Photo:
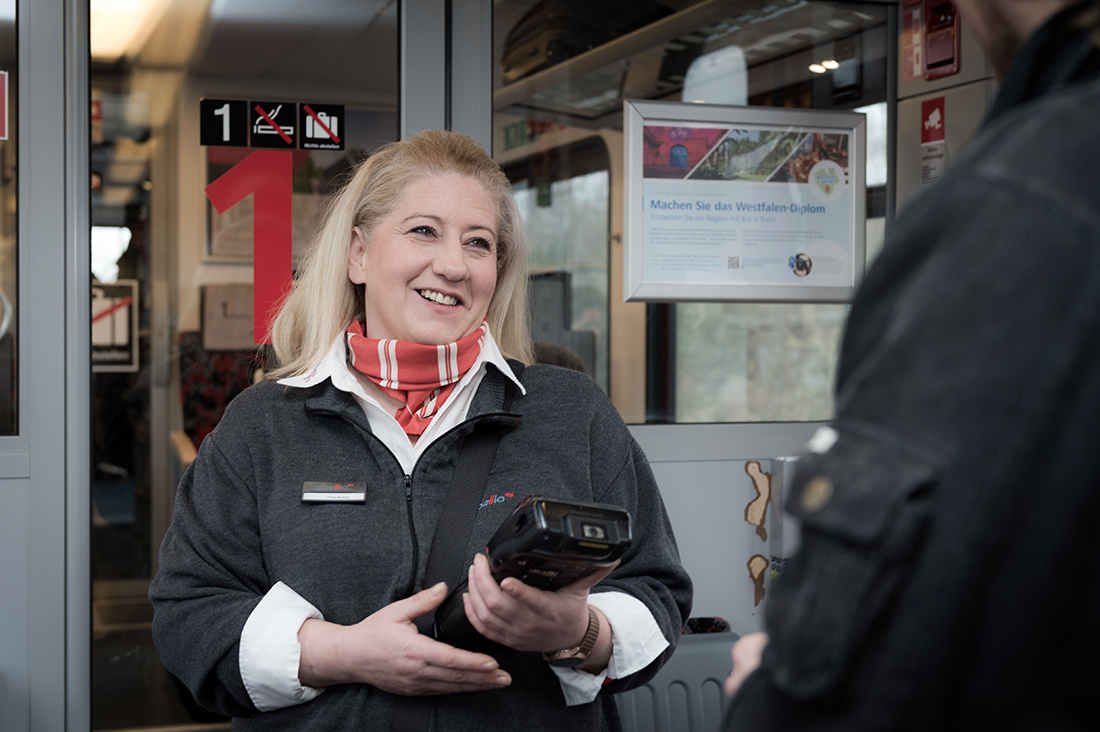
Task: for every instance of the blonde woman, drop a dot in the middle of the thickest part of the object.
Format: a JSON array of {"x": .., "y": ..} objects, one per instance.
[{"x": 289, "y": 610}]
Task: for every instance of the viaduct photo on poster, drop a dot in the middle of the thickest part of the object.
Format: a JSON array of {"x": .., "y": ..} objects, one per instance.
[{"x": 768, "y": 211}]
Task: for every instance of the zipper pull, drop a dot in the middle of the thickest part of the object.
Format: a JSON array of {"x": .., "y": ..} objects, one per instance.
[{"x": 408, "y": 488}]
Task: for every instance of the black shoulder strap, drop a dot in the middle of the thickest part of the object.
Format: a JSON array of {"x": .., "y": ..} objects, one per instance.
[
  {"x": 452, "y": 535},
  {"x": 456, "y": 523}
]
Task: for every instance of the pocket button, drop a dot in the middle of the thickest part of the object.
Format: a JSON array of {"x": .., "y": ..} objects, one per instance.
[{"x": 816, "y": 494}]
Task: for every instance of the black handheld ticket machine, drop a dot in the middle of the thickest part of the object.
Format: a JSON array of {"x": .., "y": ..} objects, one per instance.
[{"x": 546, "y": 543}]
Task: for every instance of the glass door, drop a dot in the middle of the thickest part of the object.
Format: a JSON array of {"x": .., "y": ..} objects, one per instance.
[
  {"x": 183, "y": 93},
  {"x": 562, "y": 71}
]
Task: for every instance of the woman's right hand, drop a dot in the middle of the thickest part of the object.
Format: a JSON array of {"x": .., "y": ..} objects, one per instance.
[{"x": 387, "y": 651}]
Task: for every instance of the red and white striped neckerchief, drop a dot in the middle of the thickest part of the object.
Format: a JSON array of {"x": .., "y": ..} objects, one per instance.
[{"x": 420, "y": 375}]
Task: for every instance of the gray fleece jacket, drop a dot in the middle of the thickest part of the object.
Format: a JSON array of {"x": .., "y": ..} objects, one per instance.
[{"x": 240, "y": 526}]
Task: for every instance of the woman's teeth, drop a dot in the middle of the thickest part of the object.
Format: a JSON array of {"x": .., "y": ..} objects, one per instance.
[{"x": 438, "y": 297}]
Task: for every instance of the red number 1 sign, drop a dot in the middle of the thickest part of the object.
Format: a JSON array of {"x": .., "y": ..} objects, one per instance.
[{"x": 267, "y": 176}]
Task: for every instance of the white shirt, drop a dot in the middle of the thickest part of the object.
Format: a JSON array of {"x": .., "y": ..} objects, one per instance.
[{"x": 270, "y": 653}]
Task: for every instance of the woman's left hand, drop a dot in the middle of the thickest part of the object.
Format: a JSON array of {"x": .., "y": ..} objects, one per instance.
[{"x": 526, "y": 618}]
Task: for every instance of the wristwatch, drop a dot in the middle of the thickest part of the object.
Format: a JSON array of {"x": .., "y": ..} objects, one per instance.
[{"x": 570, "y": 657}]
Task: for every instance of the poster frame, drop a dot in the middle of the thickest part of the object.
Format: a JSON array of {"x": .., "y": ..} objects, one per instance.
[{"x": 638, "y": 114}]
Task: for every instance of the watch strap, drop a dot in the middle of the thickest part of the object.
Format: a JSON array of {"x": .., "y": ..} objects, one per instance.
[{"x": 577, "y": 655}]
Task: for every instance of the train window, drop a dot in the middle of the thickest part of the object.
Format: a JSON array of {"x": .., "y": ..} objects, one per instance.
[
  {"x": 175, "y": 87},
  {"x": 564, "y": 198},
  {"x": 9, "y": 269},
  {"x": 563, "y": 68}
]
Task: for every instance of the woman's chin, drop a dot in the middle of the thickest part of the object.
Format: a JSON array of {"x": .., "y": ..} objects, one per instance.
[{"x": 440, "y": 334}]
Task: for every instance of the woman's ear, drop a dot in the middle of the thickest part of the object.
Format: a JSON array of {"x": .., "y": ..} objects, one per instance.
[{"x": 357, "y": 255}]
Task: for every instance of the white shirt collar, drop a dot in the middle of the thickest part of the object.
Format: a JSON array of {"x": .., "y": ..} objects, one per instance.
[{"x": 383, "y": 422}]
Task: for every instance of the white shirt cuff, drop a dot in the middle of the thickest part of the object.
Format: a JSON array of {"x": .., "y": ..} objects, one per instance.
[
  {"x": 270, "y": 652},
  {"x": 635, "y": 642}
]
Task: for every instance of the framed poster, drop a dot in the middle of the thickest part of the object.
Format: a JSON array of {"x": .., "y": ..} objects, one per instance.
[{"x": 742, "y": 203}]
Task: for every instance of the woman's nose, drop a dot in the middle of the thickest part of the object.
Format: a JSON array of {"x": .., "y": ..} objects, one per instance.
[{"x": 450, "y": 260}]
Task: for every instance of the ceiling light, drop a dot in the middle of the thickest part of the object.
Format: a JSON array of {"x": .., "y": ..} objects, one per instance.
[
  {"x": 120, "y": 27},
  {"x": 817, "y": 68},
  {"x": 831, "y": 64}
]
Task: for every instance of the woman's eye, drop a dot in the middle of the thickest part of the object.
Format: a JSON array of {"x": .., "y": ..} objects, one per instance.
[
  {"x": 480, "y": 243},
  {"x": 423, "y": 230}
]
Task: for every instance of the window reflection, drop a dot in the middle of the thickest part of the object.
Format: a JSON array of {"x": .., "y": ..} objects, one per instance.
[
  {"x": 564, "y": 198},
  {"x": 704, "y": 362},
  {"x": 9, "y": 293},
  {"x": 756, "y": 362}
]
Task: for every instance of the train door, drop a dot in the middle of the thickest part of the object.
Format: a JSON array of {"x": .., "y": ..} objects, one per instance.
[
  {"x": 281, "y": 99},
  {"x": 717, "y": 394}
]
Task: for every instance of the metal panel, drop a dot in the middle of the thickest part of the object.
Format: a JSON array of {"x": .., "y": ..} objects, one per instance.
[
  {"x": 14, "y": 578},
  {"x": 705, "y": 502},
  {"x": 701, "y": 471},
  {"x": 471, "y": 68},
  {"x": 78, "y": 377},
  {"x": 965, "y": 108},
  {"x": 15, "y": 459},
  {"x": 706, "y": 442},
  {"x": 423, "y": 52},
  {"x": 42, "y": 359},
  {"x": 46, "y": 514}
]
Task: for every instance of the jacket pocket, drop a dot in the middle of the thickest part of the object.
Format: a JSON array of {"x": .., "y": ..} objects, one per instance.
[{"x": 864, "y": 509}]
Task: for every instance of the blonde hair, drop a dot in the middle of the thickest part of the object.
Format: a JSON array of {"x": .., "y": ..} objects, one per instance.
[{"x": 323, "y": 300}]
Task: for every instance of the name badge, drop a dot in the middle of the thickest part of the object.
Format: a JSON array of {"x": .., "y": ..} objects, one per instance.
[{"x": 319, "y": 492}]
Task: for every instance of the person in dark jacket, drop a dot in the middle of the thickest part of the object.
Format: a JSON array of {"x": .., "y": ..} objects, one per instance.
[
  {"x": 948, "y": 575},
  {"x": 295, "y": 565}
]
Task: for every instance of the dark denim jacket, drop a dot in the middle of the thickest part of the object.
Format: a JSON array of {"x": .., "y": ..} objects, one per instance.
[{"x": 949, "y": 576}]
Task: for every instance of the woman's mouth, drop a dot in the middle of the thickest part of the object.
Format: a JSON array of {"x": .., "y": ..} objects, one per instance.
[{"x": 438, "y": 297}]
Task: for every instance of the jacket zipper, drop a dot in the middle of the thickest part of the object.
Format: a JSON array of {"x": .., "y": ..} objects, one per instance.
[
  {"x": 408, "y": 490},
  {"x": 412, "y": 535},
  {"x": 408, "y": 479}
]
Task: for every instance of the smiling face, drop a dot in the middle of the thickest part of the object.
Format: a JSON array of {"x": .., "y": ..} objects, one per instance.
[{"x": 430, "y": 266}]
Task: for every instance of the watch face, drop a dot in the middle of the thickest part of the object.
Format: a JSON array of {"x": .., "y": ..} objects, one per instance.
[{"x": 569, "y": 661}]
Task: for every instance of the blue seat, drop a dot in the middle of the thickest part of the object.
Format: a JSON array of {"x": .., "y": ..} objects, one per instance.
[{"x": 686, "y": 695}]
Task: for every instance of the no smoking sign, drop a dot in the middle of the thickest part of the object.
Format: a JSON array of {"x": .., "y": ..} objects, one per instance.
[{"x": 272, "y": 124}]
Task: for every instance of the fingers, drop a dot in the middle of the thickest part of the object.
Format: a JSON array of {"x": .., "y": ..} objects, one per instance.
[
  {"x": 587, "y": 583},
  {"x": 386, "y": 651},
  {"x": 444, "y": 669},
  {"x": 522, "y": 617},
  {"x": 746, "y": 655},
  {"x": 733, "y": 681},
  {"x": 447, "y": 669},
  {"x": 486, "y": 602},
  {"x": 419, "y": 604}
]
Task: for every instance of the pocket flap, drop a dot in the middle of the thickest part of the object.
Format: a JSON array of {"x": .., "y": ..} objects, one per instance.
[
  {"x": 854, "y": 489},
  {"x": 863, "y": 505}
]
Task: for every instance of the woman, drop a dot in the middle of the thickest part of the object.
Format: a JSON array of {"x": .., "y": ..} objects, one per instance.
[{"x": 276, "y": 605}]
